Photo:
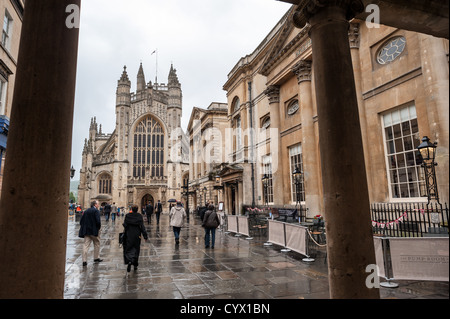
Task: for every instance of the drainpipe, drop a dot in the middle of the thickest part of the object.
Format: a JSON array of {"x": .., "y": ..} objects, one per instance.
[{"x": 251, "y": 143}]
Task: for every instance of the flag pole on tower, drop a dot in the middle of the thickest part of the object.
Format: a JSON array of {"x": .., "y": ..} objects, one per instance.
[{"x": 156, "y": 77}]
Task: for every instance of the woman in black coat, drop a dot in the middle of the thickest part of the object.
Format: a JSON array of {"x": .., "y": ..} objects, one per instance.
[{"x": 133, "y": 228}]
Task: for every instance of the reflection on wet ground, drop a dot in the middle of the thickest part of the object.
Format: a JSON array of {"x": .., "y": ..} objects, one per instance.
[{"x": 237, "y": 268}]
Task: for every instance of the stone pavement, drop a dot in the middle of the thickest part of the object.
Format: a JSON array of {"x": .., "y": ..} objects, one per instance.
[{"x": 237, "y": 268}]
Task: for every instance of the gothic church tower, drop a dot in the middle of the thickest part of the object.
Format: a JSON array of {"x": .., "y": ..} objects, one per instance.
[{"x": 141, "y": 160}]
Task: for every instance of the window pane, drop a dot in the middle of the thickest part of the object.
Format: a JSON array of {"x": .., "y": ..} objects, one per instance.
[
  {"x": 414, "y": 126},
  {"x": 389, "y": 134},
  {"x": 406, "y": 128},
  {"x": 398, "y": 145},
  {"x": 404, "y": 192},
  {"x": 390, "y": 147},
  {"x": 395, "y": 191},
  {"x": 400, "y": 160},
  {"x": 397, "y": 130},
  {"x": 408, "y": 143},
  {"x": 410, "y": 159},
  {"x": 402, "y": 175},
  {"x": 412, "y": 174}
]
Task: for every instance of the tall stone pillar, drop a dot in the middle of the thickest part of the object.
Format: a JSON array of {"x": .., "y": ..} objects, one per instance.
[
  {"x": 309, "y": 153},
  {"x": 273, "y": 93},
  {"x": 354, "y": 40},
  {"x": 435, "y": 78},
  {"x": 346, "y": 199},
  {"x": 35, "y": 194}
]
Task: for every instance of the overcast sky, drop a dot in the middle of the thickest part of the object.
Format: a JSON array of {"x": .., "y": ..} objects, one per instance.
[{"x": 204, "y": 39}]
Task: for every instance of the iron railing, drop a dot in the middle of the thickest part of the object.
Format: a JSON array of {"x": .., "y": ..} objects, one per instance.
[{"x": 410, "y": 219}]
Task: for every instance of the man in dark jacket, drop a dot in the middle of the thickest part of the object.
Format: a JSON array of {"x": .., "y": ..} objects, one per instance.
[
  {"x": 158, "y": 210},
  {"x": 149, "y": 212},
  {"x": 89, "y": 230},
  {"x": 107, "y": 211},
  {"x": 210, "y": 222}
]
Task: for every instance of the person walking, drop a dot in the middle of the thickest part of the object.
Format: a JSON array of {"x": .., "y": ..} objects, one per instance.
[
  {"x": 113, "y": 212},
  {"x": 158, "y": 211},
  {"x": 133, "y": 231},
  {"x": 176, "y": 216},
  {"x": 90, "y": 225},
  {"x": 210, "y": 222},
  {"x": 149, "y": 212},
  {"x": 107, "y": 211}
]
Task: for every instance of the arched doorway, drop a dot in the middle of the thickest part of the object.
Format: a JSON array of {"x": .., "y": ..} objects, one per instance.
[{"x": 147, "y": 198}]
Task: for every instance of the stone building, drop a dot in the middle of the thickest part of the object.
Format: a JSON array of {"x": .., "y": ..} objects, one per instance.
[
  {"x": 402, "y": 91},
  {"x": 207, "y": 131},
  {"x": 144, "y": 158},
  {"x": 12, "y": 13}
]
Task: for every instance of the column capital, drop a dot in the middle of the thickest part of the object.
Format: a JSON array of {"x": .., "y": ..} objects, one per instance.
[
  {"x": 308, "y": 8},
  {"x": 354, "y": 35},
  {"x": 303, "y": 71},
  {"x": 273, "y": 93}
]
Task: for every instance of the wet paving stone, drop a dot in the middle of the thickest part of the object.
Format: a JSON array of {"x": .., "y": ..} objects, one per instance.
[{"x": 236, "y": 269}]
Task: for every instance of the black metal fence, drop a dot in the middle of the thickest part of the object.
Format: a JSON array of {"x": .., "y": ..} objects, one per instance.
[{"x": 410, "y": 219}]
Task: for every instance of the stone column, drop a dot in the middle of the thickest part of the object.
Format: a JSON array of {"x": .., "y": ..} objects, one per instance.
[
  {"x": 35, "y": 195},
  {"x": 354, "y": 40},
  {"x": 273, "y": 93},
  {"x": 309, "y": 153},
  {"x": 435, "y": 78},
  {"x": 346, "y": 199}
]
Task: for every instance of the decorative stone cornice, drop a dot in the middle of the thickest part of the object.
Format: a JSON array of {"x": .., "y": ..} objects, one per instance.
[
  {"x": 354, "y": 35},
  {"x": 308, "y": 8},
  {"x": 302, "y": 70},
  {"x": 273, "y": 93}
]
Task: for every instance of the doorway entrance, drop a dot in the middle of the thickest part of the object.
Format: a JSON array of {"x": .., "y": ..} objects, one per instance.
[{"x": 147, "y": 198}]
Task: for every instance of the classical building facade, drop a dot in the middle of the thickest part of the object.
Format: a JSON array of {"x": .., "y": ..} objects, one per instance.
[
  {"x": 207, "y": 131},
  {"x": 145, "y": 157},
  {"x": 402, "y": 90},
  {"x": 12, "y": 13}
]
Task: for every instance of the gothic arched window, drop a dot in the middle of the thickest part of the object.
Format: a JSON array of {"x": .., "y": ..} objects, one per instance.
[
  {"x": 148, "y": 148},
  {"x": 104, "y": 184}
]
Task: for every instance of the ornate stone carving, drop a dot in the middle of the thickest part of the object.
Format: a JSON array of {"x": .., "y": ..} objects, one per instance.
[
  {"x": 303, "y": 71},
  {"x": 307, "y": 8},
  {"x": 354, "y": 36},
  {"x": 273, "y": 93}
]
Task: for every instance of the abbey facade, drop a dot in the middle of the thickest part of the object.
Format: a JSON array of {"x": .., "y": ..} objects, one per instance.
[{"x": 144, "y": 158}]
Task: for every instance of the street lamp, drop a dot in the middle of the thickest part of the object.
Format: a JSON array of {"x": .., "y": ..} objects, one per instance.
[
  {"x": 265, "y": 181},
  {"x": 427, "y": 152},
  {"x": 204, "y": 194},
  {"x": 297, "y": 175},
  {"x": 72, "y": 172}
]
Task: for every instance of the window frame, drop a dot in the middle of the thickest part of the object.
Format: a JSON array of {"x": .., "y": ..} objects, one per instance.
[{"x": 420, "y": 182}]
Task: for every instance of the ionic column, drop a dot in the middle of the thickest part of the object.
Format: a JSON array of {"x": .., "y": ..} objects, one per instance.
[
  {"x": 346, "y": 198},
  {"x": 33, "y": 208},
  {"x": 309, "y": 153},
  {"x": 273, "y": 93},
  {"x": 354, "y": 40},
  {"x": 435, "y": 78}
]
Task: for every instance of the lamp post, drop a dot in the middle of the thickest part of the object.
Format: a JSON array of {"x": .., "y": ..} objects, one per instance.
[
  {"x": 427, "y": 152},
  {"x": 297, "y": 175},
  {"x": 265, "y": 181},
  {"x": 187, "y": 193},
  {"x": 72, "y": 172},
  {"x": 204, "y": 194}
]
